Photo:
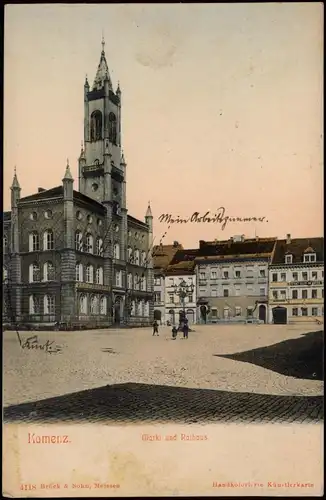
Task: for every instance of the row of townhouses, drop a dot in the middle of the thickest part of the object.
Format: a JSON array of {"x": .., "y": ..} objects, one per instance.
[{"x": 265, "y": 280}]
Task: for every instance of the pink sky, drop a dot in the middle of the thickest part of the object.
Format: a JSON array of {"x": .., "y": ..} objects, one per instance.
[{"x": 222, "y": 106}]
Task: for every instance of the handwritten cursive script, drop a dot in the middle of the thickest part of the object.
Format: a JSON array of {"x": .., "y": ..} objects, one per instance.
[
  {"x": 33, "y": 343},
  {"x": 218, "y": 218}
]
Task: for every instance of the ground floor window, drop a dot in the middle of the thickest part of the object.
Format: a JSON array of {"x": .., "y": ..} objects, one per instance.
[
  {"x": 49, "y": 304},
  {"x": 238, "y": 311},
  {"x": 304, "y": 311},
  {"x": 314, "y": 311},
  {"x": 295, "y": 311}
]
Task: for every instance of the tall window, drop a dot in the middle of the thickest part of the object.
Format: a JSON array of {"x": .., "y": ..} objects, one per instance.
[
  {"x": 48, "y": 271},
  {"x": 5, "y": 274},
  {"x": 295, "y": 276},
  {"x": 295, "y": 311},
  {"x": 136, "y": 282},
  {"x": 34, "y": 272},
  {"x": 34, "y": 304},
  {"x": 262, "y": 291},
  {"x": 49, "y": 304},
  {"x": 305, "y": 276},
  {"x": 83, "y": 304},
  {"x": 143, "y": 258},
  {"x": 304, "y": 294},
  {"x": 96, "y": 126},
  {"x": 136, "y": 257},
  {"x": 99, "y": 275},
  {"x": 48, "y": 240},
  {"x": 157, "y": 281},
  {"x": 129, "y": 281},
  {"x": 238, "y": 311},
  {"x": 274, "y": 277},
  {"x": 262, "y": 273},
  {"x": 294, "y": 294},
  {"x": 116, "y": 251},
  {"x": 213, "y": 275},
  {"x": 238, "y": 274},
  {"x": 288, "y": 259},
  {"x": 34, "y": 242},
  {"x": 78, "y": 241},
  {"x": 146, "y": 309},
  {"x": 304, "y": 311},
  {"x": 225, "y": 292},
  {"x": 283, "y": 276},
  {"x": 144, "y": 284},
  {"x": 89, "y": 243},
  {"x": 138, "y": 308},
  {"x": 103, "y": 305},
  {"x": 5, "y": 243},
  {"x": 118, "y": 278},
  {"x": 94, "y": 304},
  {"x": 89, "y": 274},
  {"x": 225, "y": 275},
  {"x": 99, "y": 247},
  {"x": 314, "y": 311},
  {"x": 129, "y": 254},
  {"x": 112, "y": 128},
  {"x": 79, "y": 271},
  {"x": 314, "y": 294},
  {"x": 133, "y": 308}
]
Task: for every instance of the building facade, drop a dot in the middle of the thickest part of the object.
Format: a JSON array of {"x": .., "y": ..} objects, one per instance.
[
  {"x": 76, "y": 256},
  {"x": 181, "y": 271},
  {"x": 162, "y": 256},
  {"x": 232, "y": 279},
  {"x": 296, "y": 278}
]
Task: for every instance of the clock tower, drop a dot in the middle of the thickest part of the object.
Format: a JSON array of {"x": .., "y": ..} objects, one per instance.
[{"x": 101, "y": 164}]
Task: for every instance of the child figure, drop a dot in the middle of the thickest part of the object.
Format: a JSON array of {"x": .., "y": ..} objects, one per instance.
[{"x": 174, "y": 333}]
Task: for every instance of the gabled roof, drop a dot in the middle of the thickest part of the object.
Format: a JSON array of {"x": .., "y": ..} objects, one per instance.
[
  {"x": 253, "y": 247},
  {"x": 132, "y": 220},
  {"x": 297, "y": 247},
  {"x": 163, "y": 254},
  {"x": 182, "y": 263}
]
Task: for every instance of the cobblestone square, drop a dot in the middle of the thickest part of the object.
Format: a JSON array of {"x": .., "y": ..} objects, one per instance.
[{"x": 129, "y": 375}]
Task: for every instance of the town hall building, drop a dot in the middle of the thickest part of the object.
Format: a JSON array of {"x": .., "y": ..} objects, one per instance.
[{"x": 74, "y": 255}]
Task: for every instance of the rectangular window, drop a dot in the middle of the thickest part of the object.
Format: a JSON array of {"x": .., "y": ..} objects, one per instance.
[
  {"x": 305, "y": 276},
  {"x": 314, "y": 311},
  {"x": 274, "y": 277},
  {"x": 157, "y": 297},
  {"x": 237, "y": 274},
  {"x": 202, "y": 276},
  {"x": 262, "y": 273},
  {"x": 214, "y": 313},
  {"x": 171, "y": 298},
  {"x": 157, "y": 281},
  {"x": 250, "y": 272},
  {"x": 118, "y": 278},
  {"x": 214, "y": 292},
  {"x": 237, "y": 290},
  {"x": 171, "y": 281},
  {"x": 283, "y": 276},
  {"x": 225, "y": 292},
  {"x": 238, "y": 311},
  {"x": 314, "y": 275},
  {"x": 190, "y": 297},
  {"x": 295, "y": 276},
  {"x": 225, "y": 275},
  {"x": 314, "y": 294},
  {"x": 295, "y": 311},
  {"x": 304, "y": 294},
  {"x": 275, "y": 294},
  {"x": 288, "y": 259},
  {"x": 262, "y": 291},
  {"x": 283, "y": 294},
  {"x": 213, "y": 275},
  {"x": 304, "y": 311},
  {"x": 294, "y": 294}
]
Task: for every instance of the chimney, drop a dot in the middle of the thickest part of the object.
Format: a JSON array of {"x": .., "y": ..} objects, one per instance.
[
  {"x": 175, "y": 244},
  {"x": 40, "y": 190},
  {"x": 288, "y": 239}
]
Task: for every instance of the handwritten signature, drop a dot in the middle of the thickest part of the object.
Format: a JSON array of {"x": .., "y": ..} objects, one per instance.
[
  {"x": 218, "y": 218},
  {"x": 33, "y": 343}
]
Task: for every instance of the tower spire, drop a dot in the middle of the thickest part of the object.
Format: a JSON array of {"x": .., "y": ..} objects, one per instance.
[
  {"x": 15, "y": 183},
  {"x": 102, "y": 73},
  {"x": 103, "y": 43}
]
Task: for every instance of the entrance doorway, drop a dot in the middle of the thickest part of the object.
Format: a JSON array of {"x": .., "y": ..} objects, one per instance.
[{"x": 262, "y": 313}]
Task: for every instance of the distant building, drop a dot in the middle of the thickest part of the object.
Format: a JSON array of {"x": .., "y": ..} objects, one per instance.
[
  {"x": 232, "y": 279},
  {"x": 296, "y": 278},
  {"x": 76, "y": 256},
  {"x": 181, "y": 270},
  {"x": 162, "y": 256}
]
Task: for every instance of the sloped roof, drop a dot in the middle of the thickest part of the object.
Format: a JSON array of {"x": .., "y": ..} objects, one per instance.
[
  {"x": 234, "y": 249},
  {"x": 297, "y": 247},
  {"x": 7, "y": 216},
  {"x": 183, "y": 262},
  {"x": 163, "y": 254}
]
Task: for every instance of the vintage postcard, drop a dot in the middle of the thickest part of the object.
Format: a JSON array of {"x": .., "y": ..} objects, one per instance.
[{"x": 163, "y": 250}]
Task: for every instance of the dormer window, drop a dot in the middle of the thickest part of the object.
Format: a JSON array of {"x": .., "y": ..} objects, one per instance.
[
  {"x": 309, "y": 257},
  {"x": 288, "y": 258}
]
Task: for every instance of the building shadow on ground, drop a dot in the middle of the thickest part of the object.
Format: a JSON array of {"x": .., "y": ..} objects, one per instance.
[
  {"x": 300, "y": 358},
  {"x": 141, "y": 403}
]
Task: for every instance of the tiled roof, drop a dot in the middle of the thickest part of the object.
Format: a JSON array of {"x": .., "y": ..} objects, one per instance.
[
  {"x": 136, "y": 221},
  {"x": 58, "y": 191},
  {"x": 163, "y": 254},
  {"x": 183, "y": 262},
  {"x": 297, "y": 247},
  {"x": 234, "y": 249}
]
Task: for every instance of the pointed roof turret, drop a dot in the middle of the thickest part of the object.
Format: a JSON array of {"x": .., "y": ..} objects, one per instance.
[
  {"x": 68, "y": 176},
  {"x": 102, "y": 73},
  {"x": 82, "y": 151},
  {"x": 118, "y": 91},
  {"x": 15, "y": 184},
  {"x": 149, "y": 210},
  {"x": 122, "y": 159}
]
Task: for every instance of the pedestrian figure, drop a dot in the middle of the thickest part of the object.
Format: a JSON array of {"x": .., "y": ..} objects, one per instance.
[
  {"x": 174, "y": 333},
  {"x": 185, "y": 329},
  {"x": 155, "y": 328}
]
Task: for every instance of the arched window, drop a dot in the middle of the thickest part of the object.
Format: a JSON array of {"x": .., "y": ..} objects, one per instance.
[
  {"x": 34, "y": 304},
  {"x": 136, "y": 257},
  {"x": 146, "y": 309},
  {"x": 48, "y": 240},
  {"x": 83, "y": 304},
  {"x": 48, "y": 271},
  {"x": 79, "y": 271},
  {"x": 103, "y": 305},
  {"x": 116, "y": 251},
  {"x": 89, "y": 243},
  {"x": 89, "y": 274},
  {"x": 34, "y": 272},
  {"x": 99, "y": 275},
  {"x": 144, "y": 284},
  {"x": 136, "y": 282},
  {"x": 129, "y": 281},
  {"x": 138, "y": 308},
  {"x": 49, "y": 304},
  {"x": 129, "y": 254},
  {"x": 143, "y": 258},
  {"x": 96, "y": 126},
  {"x": 78, "y": 241},
  {"x": 99, "y": 247},
  {"x": 34, "y": 242},
  {"x": 113, "y": 128},
  {"x": 94, "y": 304},
  {"x": 118, "y": 278}
]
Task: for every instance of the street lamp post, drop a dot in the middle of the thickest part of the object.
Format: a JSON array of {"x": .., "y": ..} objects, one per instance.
[{"x": 183, "y": 290}]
